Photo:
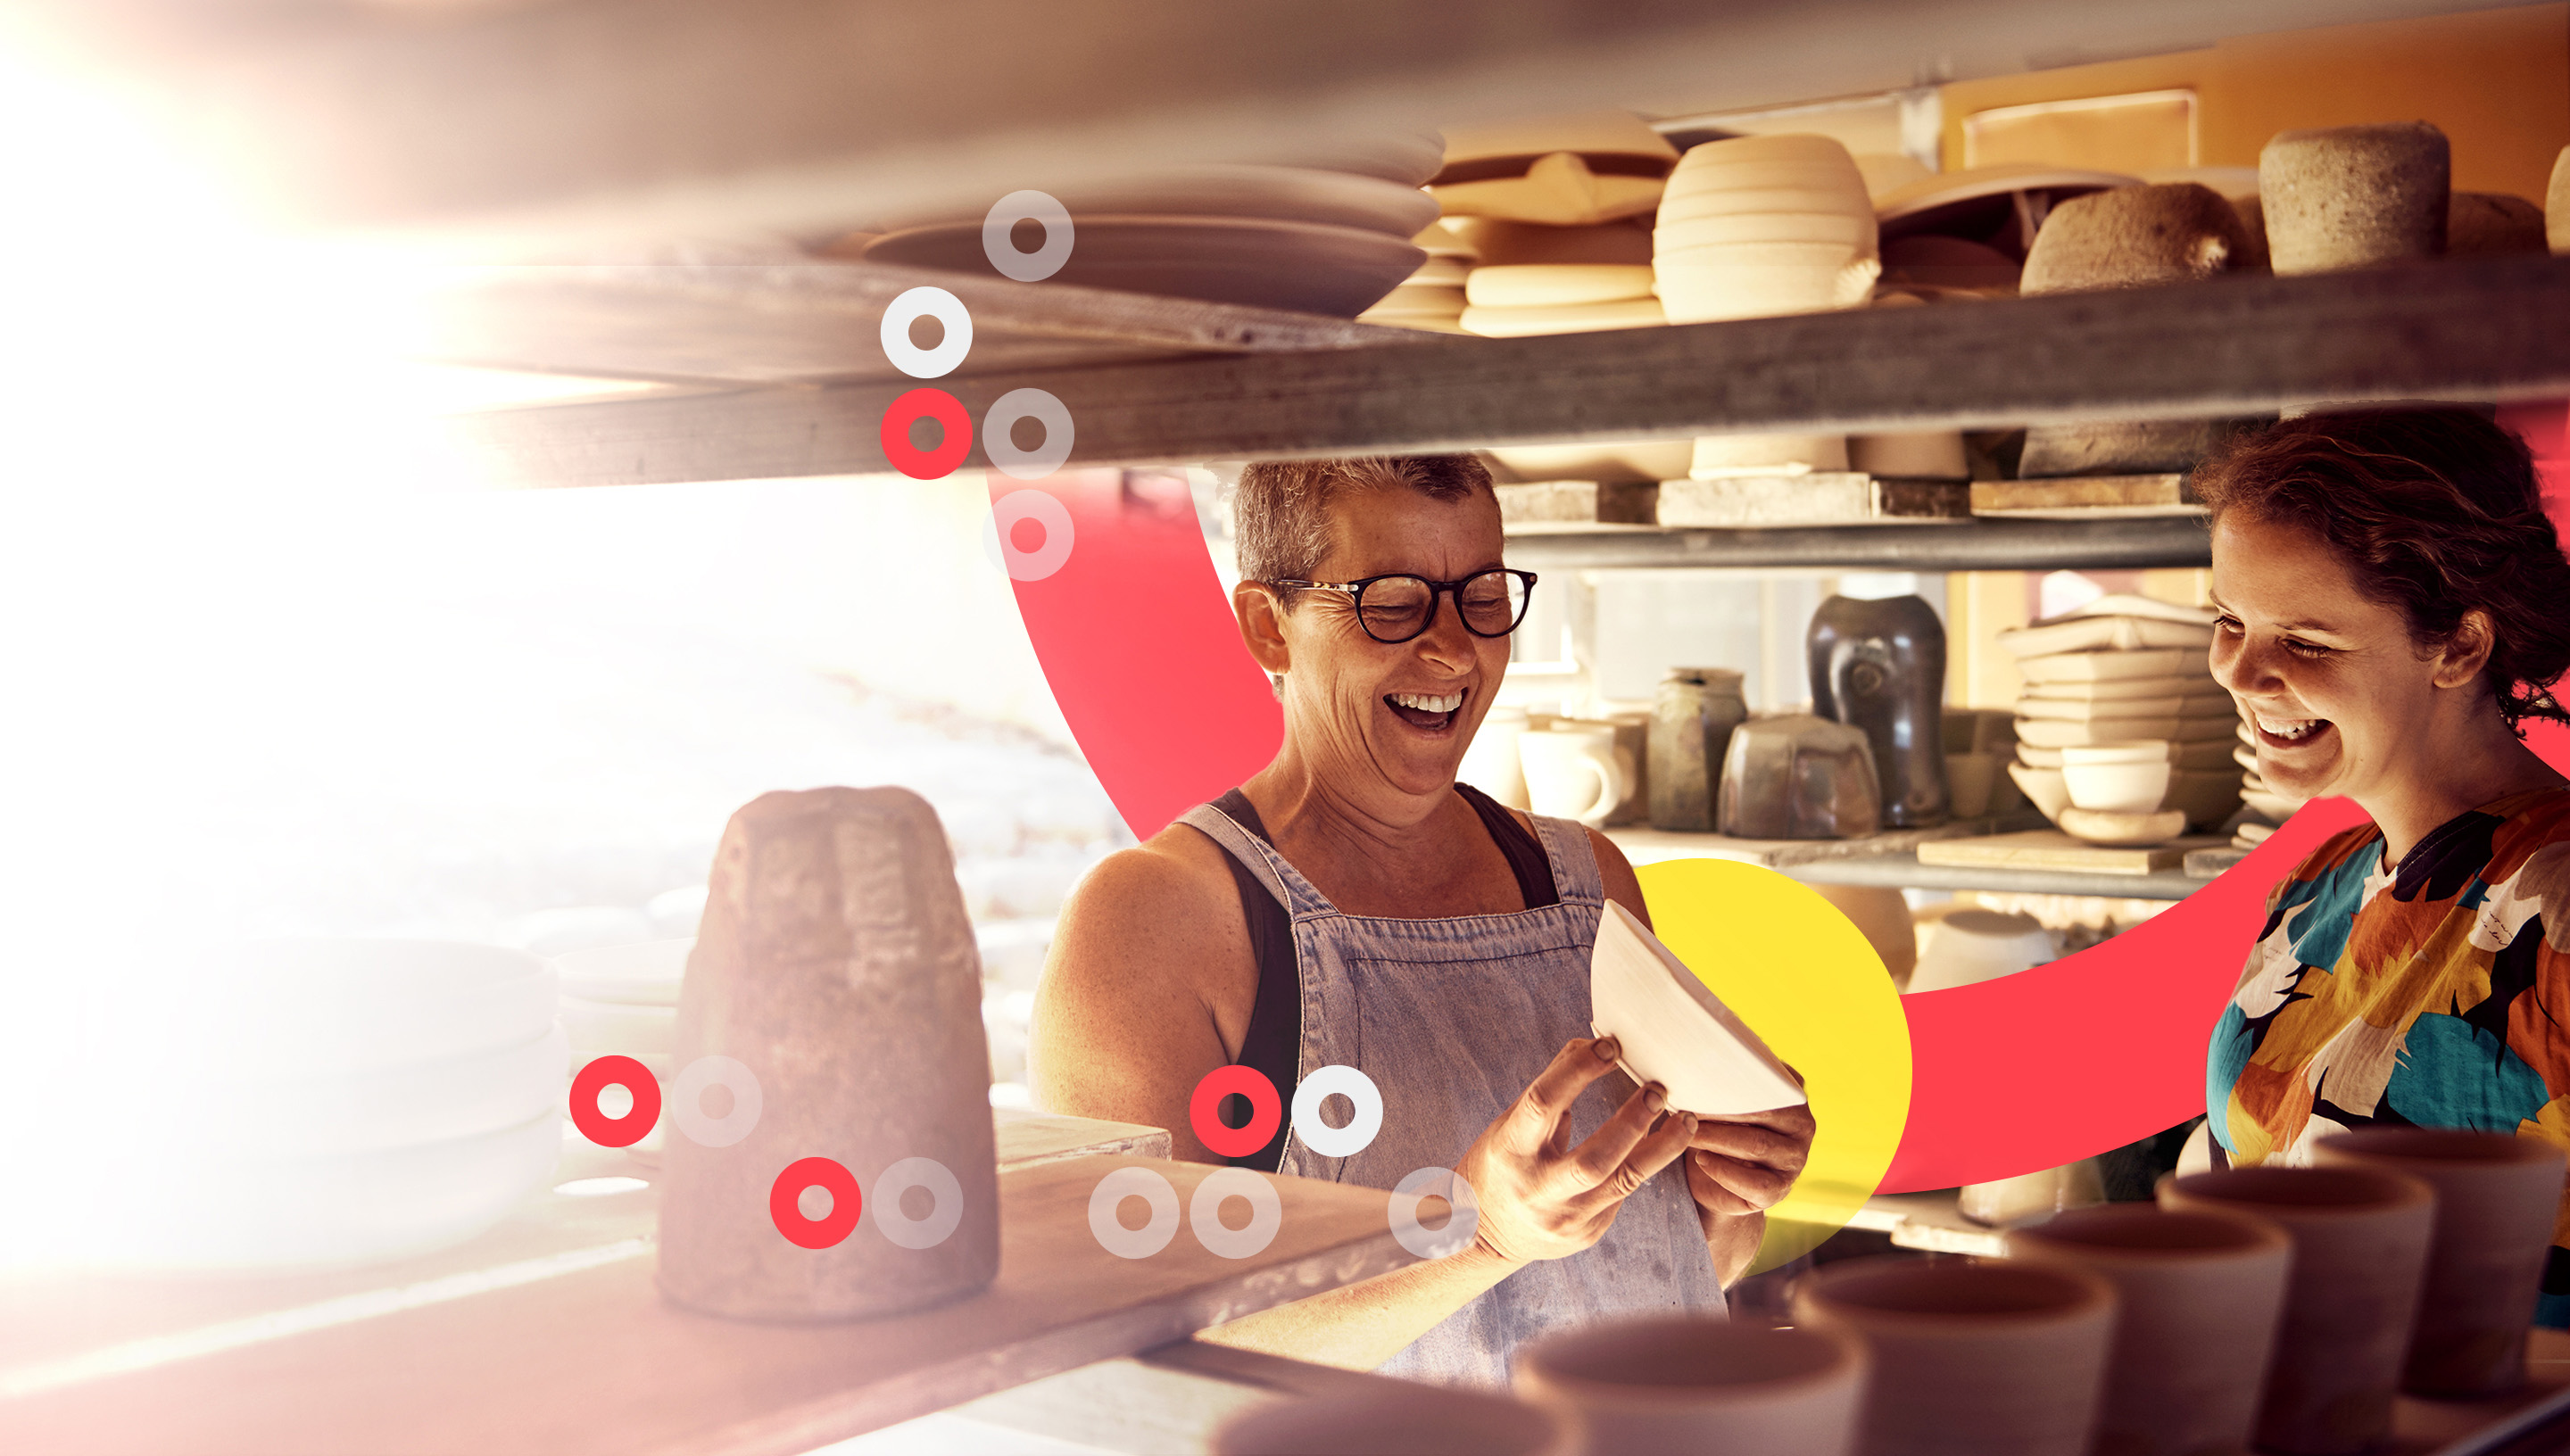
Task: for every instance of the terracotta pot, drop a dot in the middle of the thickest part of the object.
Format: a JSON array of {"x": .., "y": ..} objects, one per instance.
[
  {"x": 2359, "y": 1251},
  {"x": 2198, "y": 1295},
  {"x": 1971, "y": 1357},
  {"x": 1694, "y": 1384},
  {"x": 2498, "y": 1197}
]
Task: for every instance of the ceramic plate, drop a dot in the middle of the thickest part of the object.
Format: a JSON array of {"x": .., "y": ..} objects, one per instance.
[
  {"x": 2178, "y": 686},
  {"x": 1949, "y": 188},
  {"x": 2123, "y": 831},
  {"x": 1542, "y": 285},
  {"x": 1591, "y": 133},
  {"x": 1674, "y": 1031},
  {"x": 1257, "y": 262},
  {"x": 1409, "y": 158},
  {"x": 2092, "y": 633},
  {"x": 2105, "y": 666},
  {"x": 1284, "y": 193},
  {"x": 1576, "y": 318}
]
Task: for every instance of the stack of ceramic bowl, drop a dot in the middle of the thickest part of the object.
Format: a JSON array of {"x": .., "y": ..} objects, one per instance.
[
  {"x": 623, "y": 1001},
  {"x": 347, "y": 1100},
  {"x": 2123, "y": 736},
  {"x": 1754, "y": 226},
  {"x": 1325, "y": 233},
  {"x": 1433, "y": 298}
]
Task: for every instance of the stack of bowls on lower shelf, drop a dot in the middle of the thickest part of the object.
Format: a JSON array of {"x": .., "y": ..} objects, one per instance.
[
  {"x": 2123, "y": 736},
  {"x": 623, "y": 1001},
  {"x": 1753, "y": 228},
  {"x": 350, "y": 1101}
]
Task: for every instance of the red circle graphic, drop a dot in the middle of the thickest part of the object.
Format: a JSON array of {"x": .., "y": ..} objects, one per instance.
[
  {"x": 597, "y": 1077},
  {"x": 947, "y": 412},
  {"x": 845, "y": 1202},
  {"x": 1265, "y": 1110}
]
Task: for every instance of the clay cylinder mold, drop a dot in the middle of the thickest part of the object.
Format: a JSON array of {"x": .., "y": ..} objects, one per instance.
[
  {"x": 835, "y": 962},
  {"x": 2354, "y": 197},
  {"x": 2126, "y": 238}
]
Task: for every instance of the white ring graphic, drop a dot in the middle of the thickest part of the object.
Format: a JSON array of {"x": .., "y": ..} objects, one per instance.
[
  {"x": 927, "y": 302},
  {"x": 1449, "y": 1185},
  {"x": 1338, "y": 1142},
  {"x": 900, "y": 1228},
  {"x": 1044, "y": 510},
  {"x": 1007, "y": 213},
  {"x": 688, "y": 1110},
  {"x": 1204, "y": 1212},
  {"x": 1111, "y": 1193},
  {"x": 1026, "y": 404}
]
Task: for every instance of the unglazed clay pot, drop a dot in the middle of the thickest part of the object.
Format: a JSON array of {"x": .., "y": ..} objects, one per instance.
[
  {"x": 2496, "y": 1199},
  {"x": 836, "y": 971},
  {"x": 1691, "y": 723},
  {"x": 1798, "y": 778},
  {"x": 1980, "y": 1358},
  {"x": 2198, "y": 1295},
  {"x": 2354, "y": 197},
  {"x": 2126, "y": 237},
  {"x": 2359, "y": 1253},
  {"x": 1694, "y": 1384},
  {"x": 2492, "y": 223},
  {"x": 1880, "y": 665}
]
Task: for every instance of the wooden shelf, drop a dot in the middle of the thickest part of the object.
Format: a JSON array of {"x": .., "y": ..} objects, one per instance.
[
  {"x": 1643, "y": 845},
  {"x": 2460, "y": 330},
  {"x": 1903, "y": 871},
  {"x": 1974, "y": 545}
]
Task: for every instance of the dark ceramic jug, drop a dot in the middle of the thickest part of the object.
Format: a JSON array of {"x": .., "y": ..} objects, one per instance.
[{"x": 1880, "y": 665}]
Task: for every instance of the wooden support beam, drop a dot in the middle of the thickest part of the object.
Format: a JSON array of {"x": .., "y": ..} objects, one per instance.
[{"x": 2481, "y": 331}]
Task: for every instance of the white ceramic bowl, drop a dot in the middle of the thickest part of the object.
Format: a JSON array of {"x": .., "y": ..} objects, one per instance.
[
  {"x": 423, "y": 1102},
  {"x": 2138, "y": 750},
  {"x": 275, "y": 1010},
  {"x": 644, "y": 974},
  {"x": 1703, "y": 227},
  {"x": 1705, "y": 293},
  {"x": 1678, "y": 206},
  {"x": 602, "y": 1028},
  {"x": 2116, "y": 788},
  {"x": 351, "y": 1209},
  {"x": 1826, "y": 257},
  {"x": 1972, "y": 946}
]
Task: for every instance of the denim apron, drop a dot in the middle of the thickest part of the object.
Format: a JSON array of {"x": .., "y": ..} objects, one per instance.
[{"x": 1452, "y": 1019}]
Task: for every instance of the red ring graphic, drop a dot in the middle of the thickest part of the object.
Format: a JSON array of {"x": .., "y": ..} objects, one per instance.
[
  {"x": 845, "y": 1202},
  {"x": 947, "y": 412},
  {"x": 597, "y": 1077},
  {"x": 1265, "y": 1110}
]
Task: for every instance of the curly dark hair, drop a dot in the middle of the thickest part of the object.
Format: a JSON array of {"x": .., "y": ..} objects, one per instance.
[{"x": 2438, "y": 512}]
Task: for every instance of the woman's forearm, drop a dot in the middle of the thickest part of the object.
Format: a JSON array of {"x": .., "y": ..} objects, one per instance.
[{"x": 1364, "y": 1324}]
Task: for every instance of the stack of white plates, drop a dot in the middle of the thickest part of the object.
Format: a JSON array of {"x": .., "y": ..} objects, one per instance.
[
  {"x": 1433, "y": 298},
  {"x": 1331, "y": 238},
  {"x": 2117, "y": 684},
  {"x": 350, "y": 1101},
  {"x": 623, "y": 1001}
]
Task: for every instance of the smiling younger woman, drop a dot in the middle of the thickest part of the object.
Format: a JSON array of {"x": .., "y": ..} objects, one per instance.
[
  {"x": 2392, "y": 604},
  {"x": 1352, "y": 905}
]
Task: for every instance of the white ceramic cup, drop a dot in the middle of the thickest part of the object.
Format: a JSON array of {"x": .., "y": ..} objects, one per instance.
[
  {"x": 1971, "y": 1357},
  {"x": 2498, "y": 1197},
  {"x": 1575, "y": 772},
  {"x": 1694, "y": 1384},
  {"x": 1971, "y": 945},
  {"x": 2198, "y": 1297},
  {"x": 1490, "y": 762}
]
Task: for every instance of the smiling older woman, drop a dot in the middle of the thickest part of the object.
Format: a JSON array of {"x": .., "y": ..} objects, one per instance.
[
  {"x": 1352, "y": 905},
  {"x": 2392, "y": 604}
]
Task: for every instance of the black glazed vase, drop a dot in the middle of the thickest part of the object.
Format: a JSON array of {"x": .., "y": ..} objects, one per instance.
[{"x": 1880, "y": 667}]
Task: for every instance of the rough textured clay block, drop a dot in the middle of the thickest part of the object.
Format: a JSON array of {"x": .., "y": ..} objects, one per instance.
[
  {"x": 2131, "y": 236},
  {"x": 2353, "y": 196},
  {"x": 835, "y": 961}
]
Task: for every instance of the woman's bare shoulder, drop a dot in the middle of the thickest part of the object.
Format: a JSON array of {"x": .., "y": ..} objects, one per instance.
[{"x": 1162, "y": 906}]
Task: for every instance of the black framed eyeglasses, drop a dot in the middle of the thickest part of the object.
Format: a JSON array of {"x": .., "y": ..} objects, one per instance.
[{"x": 1398, "y": 606}]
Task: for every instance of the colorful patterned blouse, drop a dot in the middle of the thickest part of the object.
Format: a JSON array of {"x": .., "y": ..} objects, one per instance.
[{"x": 2437, "y": 996}]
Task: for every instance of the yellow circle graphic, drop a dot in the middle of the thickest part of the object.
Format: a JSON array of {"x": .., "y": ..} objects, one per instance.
[{"x": 1806, "y": 981}]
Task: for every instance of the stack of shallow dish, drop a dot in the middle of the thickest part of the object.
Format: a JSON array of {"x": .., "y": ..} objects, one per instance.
[
  {"x": 1558, "y": 197},
  {"x": 623, "y": 1001},
  {"x": 1754, "y": 226},
  {"x": 2122, "y": 734},
  {"x": 1331, "y": 237},
  {"x": 1433, "y": 298},
  {"x": 350, "y": 1101}
]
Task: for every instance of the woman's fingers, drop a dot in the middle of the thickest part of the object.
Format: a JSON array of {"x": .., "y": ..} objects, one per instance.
[
  {"x": 1751, "y": 1143},
  {"x": 1534, "y": 1124},
  {"x": 1740, "y": 1186},
  {"x": 1595, "y": 1159}
]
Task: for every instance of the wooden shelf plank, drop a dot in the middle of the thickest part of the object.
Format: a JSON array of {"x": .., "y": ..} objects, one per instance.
[
  {"x": 2459, "y": 330},
  {"x": 1643, "y": 845},
  {"x": 1974, "y": 545},
  {"x": 1903, "y": 871},
  {"x": 595, "y": 1361}
]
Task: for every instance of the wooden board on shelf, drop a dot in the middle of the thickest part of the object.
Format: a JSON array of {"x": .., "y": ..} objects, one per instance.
[
  {"x": 1643, "y": 845},
  {"x": 594, "y": 1361},
  {"x": 2086, "y": 498},
  {"x": 2208, "y": 863},
  {"x": 2050, "y": 848},
  {"x": 1818, "y": 498},
  {"x": 1027, "y": 1137},
  {"x": 1544, "y": 505}
]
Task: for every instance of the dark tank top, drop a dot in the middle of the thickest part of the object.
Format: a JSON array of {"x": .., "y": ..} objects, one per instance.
[{"x": 1271, "y": 1044}]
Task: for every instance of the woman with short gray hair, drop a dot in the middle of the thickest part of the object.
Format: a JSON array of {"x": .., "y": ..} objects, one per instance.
[{"x": 1353, "y": 904}]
